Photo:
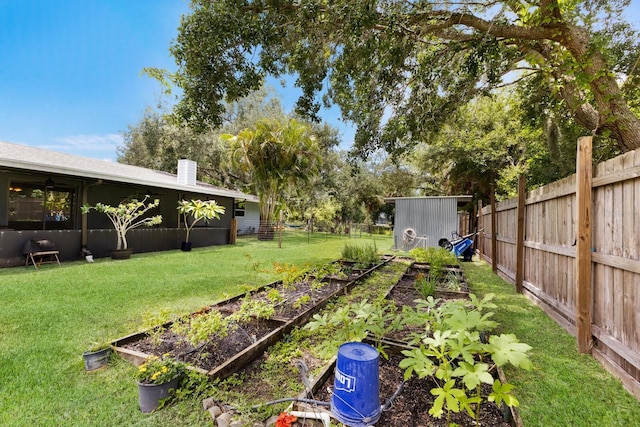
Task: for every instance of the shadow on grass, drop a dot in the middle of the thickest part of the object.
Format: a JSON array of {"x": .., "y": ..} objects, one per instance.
[{"x": 564, "y": 388}]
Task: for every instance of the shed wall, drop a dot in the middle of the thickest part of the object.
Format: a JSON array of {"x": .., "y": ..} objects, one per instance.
[{"x": 431, "y": 219}]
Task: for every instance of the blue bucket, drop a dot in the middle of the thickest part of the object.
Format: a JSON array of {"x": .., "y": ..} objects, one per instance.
[{"x": 356, "y": 386}]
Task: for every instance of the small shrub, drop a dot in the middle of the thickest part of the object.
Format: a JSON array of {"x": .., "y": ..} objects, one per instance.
[
  {"x": 426, "y": 286},
  {"x": 437, "y": 258},
  {"x": 253, "y": 309},
  {"x": 361, "y": 254},
  {"x": 304, "y": 299},
  {"x": 200, "y": 328}
]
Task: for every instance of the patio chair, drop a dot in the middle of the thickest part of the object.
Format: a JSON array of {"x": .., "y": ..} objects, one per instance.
[{"x": 44, "y": 251}]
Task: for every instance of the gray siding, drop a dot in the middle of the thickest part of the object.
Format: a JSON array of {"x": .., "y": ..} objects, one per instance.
[
  {"x": 250, "y": 222},
  {"x": 431, "y": 219}
]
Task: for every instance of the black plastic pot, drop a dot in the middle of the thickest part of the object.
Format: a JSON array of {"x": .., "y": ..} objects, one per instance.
[
  {"x": 150, "y": 395},
  {"x": 96, "y": 359},
  {"x": 121, "y": 254},
  {"x": 186, "y": 246}
]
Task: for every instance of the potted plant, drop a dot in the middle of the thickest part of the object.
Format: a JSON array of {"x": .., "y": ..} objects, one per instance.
[
  {"x": 96, "y": 356},
  {"x": 197, "y": 210},
  {"x": 124, "y": 217},
  {"x": 157, "y": 378}
]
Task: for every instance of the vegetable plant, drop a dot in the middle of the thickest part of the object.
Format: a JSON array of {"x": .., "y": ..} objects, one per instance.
[{"x": 451, "y": 351}]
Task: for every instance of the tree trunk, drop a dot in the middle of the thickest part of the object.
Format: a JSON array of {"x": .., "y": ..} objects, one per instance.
[
  {"x": 265, "y": 231},
  {"x": 614, "y": 114}
]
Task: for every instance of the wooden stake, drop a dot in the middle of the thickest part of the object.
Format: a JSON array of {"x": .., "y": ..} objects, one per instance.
[
  {"x": 584, "y": 304},
  {"x": 520, "y": 234}
]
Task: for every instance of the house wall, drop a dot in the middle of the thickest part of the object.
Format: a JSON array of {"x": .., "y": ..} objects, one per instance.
[
  {"x": 430, "y": 218},
  {"x": 101, "y": 236},
  {"x": 13, "y": 243},
  {"x": 4, "y": 199},
  {"x": 250, "y": 222}
]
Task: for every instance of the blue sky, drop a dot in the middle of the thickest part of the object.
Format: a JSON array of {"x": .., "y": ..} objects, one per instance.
[{"x": 70, "y": 70}]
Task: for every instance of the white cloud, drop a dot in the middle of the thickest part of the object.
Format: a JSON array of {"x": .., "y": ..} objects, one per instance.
[
  {"x": 103, "y": 147},
  {"x": 87, "y": 143}
]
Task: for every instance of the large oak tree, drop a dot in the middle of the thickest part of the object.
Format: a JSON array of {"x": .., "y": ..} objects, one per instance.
[{"x": 399, "y": 68}]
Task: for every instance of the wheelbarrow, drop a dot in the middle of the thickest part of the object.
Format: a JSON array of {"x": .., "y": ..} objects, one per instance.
[{"x": 460, "y": 245}]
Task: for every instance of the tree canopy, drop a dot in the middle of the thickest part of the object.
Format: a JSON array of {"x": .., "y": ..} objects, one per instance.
[
  {"x": 276, "y": 155},
  {"x": 398, "y": 69}
]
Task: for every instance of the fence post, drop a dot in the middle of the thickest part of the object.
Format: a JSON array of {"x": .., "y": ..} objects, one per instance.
[
  {"x": 584, "y": 303},
  {"x": 494, "y": 232},
  {"x": 480, "y": 227},
  {"x": 520, "y": 233},
  {"x": 233, "y": 231}
]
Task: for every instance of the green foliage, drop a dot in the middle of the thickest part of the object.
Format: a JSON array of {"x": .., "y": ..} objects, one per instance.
[
  {"x": 301, "y": 301},
  {"x": 276, "y": 156},
  {"x": 362, "y": 254},
  {"x": 366, "y": 59},
  {"x": 438, "y": 259},
  {"x": 198, "y": 210},
  {"x": 153, "y": 323},
  {"x": 353, "y": 322},
  {"x": 253, "y": 309},
  {"x": 290, "y": 273},
  {"x": 159, "y": 370},
  {"x": 426, "y": 285},
  {"x": 274, "y": 296},
  {"x": 201, "y": 328},
  {"x": 126, "y": 216},
  {"x": 451, "y": 350}
]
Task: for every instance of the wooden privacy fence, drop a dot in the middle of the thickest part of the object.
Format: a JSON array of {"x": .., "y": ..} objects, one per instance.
[{"x": 573, "y": 247}]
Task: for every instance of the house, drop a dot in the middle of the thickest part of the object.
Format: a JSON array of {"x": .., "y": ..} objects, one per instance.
[
  {"x": 41, "y": 193},
  {"x": 423, "y": 221}
]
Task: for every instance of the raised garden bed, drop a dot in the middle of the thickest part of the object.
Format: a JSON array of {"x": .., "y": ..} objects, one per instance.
[
  {"x": 410, "y": 406},
  {"x": 220, "y": 355}
]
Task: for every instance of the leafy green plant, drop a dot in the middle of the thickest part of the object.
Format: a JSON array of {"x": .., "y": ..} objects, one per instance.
[
  {"x": 193, "y": 211},
  {"x": 200, "y": 328},
  {"x": 452, "y": 282},
  {"x": 304, "y": 299},
  {"x": 452, "y": 352},
  {"x": 437, "y": 258},
  {"x": 159, "y": 370},
  {"x": 362, "y": 254},
  {"x": 425, "y": 285},
  {"x": 274, "y": 296},
  {"x": 290, "y": 273},
  {"x": 253, "y": 309},
  {"x": 354, "y": 322},
  {"x": 153, "y": 323}
]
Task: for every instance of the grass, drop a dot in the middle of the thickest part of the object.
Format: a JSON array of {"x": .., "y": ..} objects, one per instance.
[
  {"x": 564, "y": 388},
  {"x": 49, "y": 317}
]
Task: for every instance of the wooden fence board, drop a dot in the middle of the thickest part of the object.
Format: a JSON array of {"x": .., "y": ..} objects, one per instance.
[{"x": 549, "y": 272}]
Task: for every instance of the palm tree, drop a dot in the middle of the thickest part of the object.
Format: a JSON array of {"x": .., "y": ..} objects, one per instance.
[{"x": 276, "y": 155}]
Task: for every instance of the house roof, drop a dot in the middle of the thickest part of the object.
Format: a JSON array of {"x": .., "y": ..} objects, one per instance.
[{"x": 36, "y": 159}]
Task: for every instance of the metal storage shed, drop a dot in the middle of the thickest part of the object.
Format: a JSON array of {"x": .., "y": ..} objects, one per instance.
[{"x": 422, "y": 221}]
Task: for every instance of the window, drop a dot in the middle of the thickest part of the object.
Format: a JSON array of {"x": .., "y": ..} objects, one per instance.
[
  {"x": 35, "y": 206},
  {"x": 239, "y": 209}
]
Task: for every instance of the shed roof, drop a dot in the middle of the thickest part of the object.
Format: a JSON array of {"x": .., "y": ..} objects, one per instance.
[
  {"x": 28, "y": 158},
  {"x": 461, "y": 198}
]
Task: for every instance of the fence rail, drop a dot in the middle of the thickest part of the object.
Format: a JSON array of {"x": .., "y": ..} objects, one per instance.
[{"x": 580, "y": 256}]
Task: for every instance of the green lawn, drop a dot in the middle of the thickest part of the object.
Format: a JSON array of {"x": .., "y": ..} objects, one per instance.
[
  {"x": 564, "y": 388},
  {"x": 49, "y": 317}
]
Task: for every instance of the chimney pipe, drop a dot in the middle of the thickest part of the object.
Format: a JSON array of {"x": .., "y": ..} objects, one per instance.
[{"x": 187, "y": 172}]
